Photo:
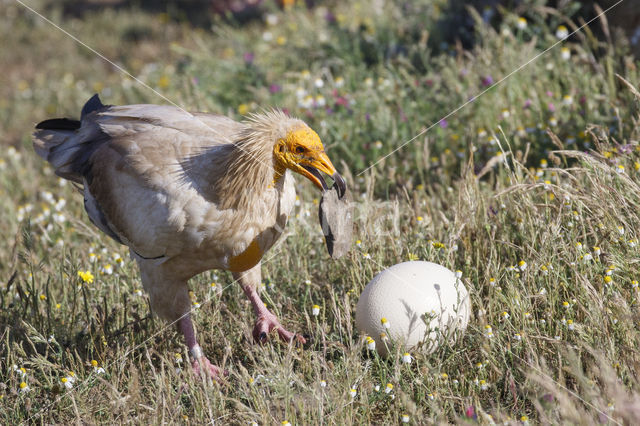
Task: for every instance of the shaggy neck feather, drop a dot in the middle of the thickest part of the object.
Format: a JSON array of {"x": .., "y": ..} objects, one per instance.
[{"x": 251, "y": 167}]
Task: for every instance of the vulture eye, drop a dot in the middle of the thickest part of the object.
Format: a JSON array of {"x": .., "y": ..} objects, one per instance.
[{"x": 300, "y": 150}]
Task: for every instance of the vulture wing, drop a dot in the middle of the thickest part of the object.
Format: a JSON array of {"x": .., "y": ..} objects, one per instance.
[{"x": 146, "y": 169}]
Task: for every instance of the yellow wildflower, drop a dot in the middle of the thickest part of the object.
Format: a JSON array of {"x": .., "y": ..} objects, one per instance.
[
  {"x": 163, "y": 82},
  {"x": 86, "y": 276}
]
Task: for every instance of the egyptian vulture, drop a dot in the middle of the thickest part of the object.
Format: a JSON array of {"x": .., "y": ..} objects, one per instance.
[{"x": 188, "y": 192}]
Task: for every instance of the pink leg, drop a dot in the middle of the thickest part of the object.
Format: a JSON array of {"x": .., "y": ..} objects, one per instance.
[
  {"x": 170, "y": 299},
  {"x": 267, "y": 321},
  {"x": 200, "y": 362},
  {"x": 249, "y": 280}
]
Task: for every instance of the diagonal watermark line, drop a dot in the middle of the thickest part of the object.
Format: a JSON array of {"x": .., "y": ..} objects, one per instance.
[
  {"x": 502, "y": 80},
  {"x": 118, "y": 67},
  {"x": 542, "y": 373},
  {"x": 93, "y": 374},
  {"x": 44, "y": 409},
  {"x": 137, "y": 80},
  {"x": 85, "y": 381}
]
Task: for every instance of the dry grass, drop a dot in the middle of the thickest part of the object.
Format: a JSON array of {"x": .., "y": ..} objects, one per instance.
[{"x": 536, "y": 218}]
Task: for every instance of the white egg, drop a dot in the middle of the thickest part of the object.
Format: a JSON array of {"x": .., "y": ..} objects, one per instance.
[{"x": 410, "y": 303}]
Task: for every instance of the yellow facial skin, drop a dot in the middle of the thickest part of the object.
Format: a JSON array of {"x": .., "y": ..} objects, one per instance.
[{"x": 302, "y": 147}]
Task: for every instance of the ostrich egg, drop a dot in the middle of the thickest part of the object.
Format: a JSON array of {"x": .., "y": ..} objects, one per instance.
[{"x": 413, "y": 302}]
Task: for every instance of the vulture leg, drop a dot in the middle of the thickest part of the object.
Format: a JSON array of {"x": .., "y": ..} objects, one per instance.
[
  {"x": 169, "y": 298},
  {"x": 199, "y": 362},
  {"x": 267, "y": 322}
]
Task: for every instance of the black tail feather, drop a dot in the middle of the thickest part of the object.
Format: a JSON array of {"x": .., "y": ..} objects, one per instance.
[
  {"x": 59, "y": 124},
  {"x": 93, "y": 104}
]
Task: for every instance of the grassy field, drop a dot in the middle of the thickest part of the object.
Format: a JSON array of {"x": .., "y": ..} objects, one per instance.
[{"x": 532, "y": 190}]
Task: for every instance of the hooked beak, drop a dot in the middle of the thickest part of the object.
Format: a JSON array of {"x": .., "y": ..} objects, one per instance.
[{"x": 321, "y": 163}]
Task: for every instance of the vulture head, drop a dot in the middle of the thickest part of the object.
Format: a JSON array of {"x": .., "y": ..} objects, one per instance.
[
  {"x": 300, "y": 150},
  {"x": 269, "y": 144}
]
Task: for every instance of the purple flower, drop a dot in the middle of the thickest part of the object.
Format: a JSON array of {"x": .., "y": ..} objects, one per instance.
[
  {"x": 403, "y": 117},
  {"x": 487, "y": 80},
  {"x": 527, "y": 104},
  {"x": 367, "y": 116},
  {"x": 329, "y": 111},
  {"x": 330, "y": 17},
  {"x": 274, "y": 88},
  {"x": 194, "y": 81},
  {"x": 248, "y": 58},
  {"x": 552, "y": 107},
  {"x": 549, "y": 93},
  {"x": 626, "y": 148},
  {"x": 443, "y": 123}
]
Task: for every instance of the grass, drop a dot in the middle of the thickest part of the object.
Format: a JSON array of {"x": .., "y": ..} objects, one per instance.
[{"x": 543, "y": 168}]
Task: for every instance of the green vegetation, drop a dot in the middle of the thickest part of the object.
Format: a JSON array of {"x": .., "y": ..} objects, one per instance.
[{"x": 532, "y": 191}]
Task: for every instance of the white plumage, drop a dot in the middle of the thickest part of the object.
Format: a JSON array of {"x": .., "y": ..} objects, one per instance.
[{"x": 187, "y": 192}]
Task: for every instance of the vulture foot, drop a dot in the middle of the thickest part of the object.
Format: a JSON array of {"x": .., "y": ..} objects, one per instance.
[
  {"x": 267, "y": 323},
  {"x": 202, "y": 367}
]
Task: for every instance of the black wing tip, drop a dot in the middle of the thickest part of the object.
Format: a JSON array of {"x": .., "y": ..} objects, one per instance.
[
  {"x": 58, "y": 124},
  {"x": 93, "y": 104}
]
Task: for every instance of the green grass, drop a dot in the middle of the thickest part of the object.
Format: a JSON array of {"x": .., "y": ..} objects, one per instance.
[{"x": 521, "y": 174}]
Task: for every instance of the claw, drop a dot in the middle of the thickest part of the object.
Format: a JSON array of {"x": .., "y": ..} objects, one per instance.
[
  {"x": 204, "y": 369},
  {"x": 267, "y": 323}
]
